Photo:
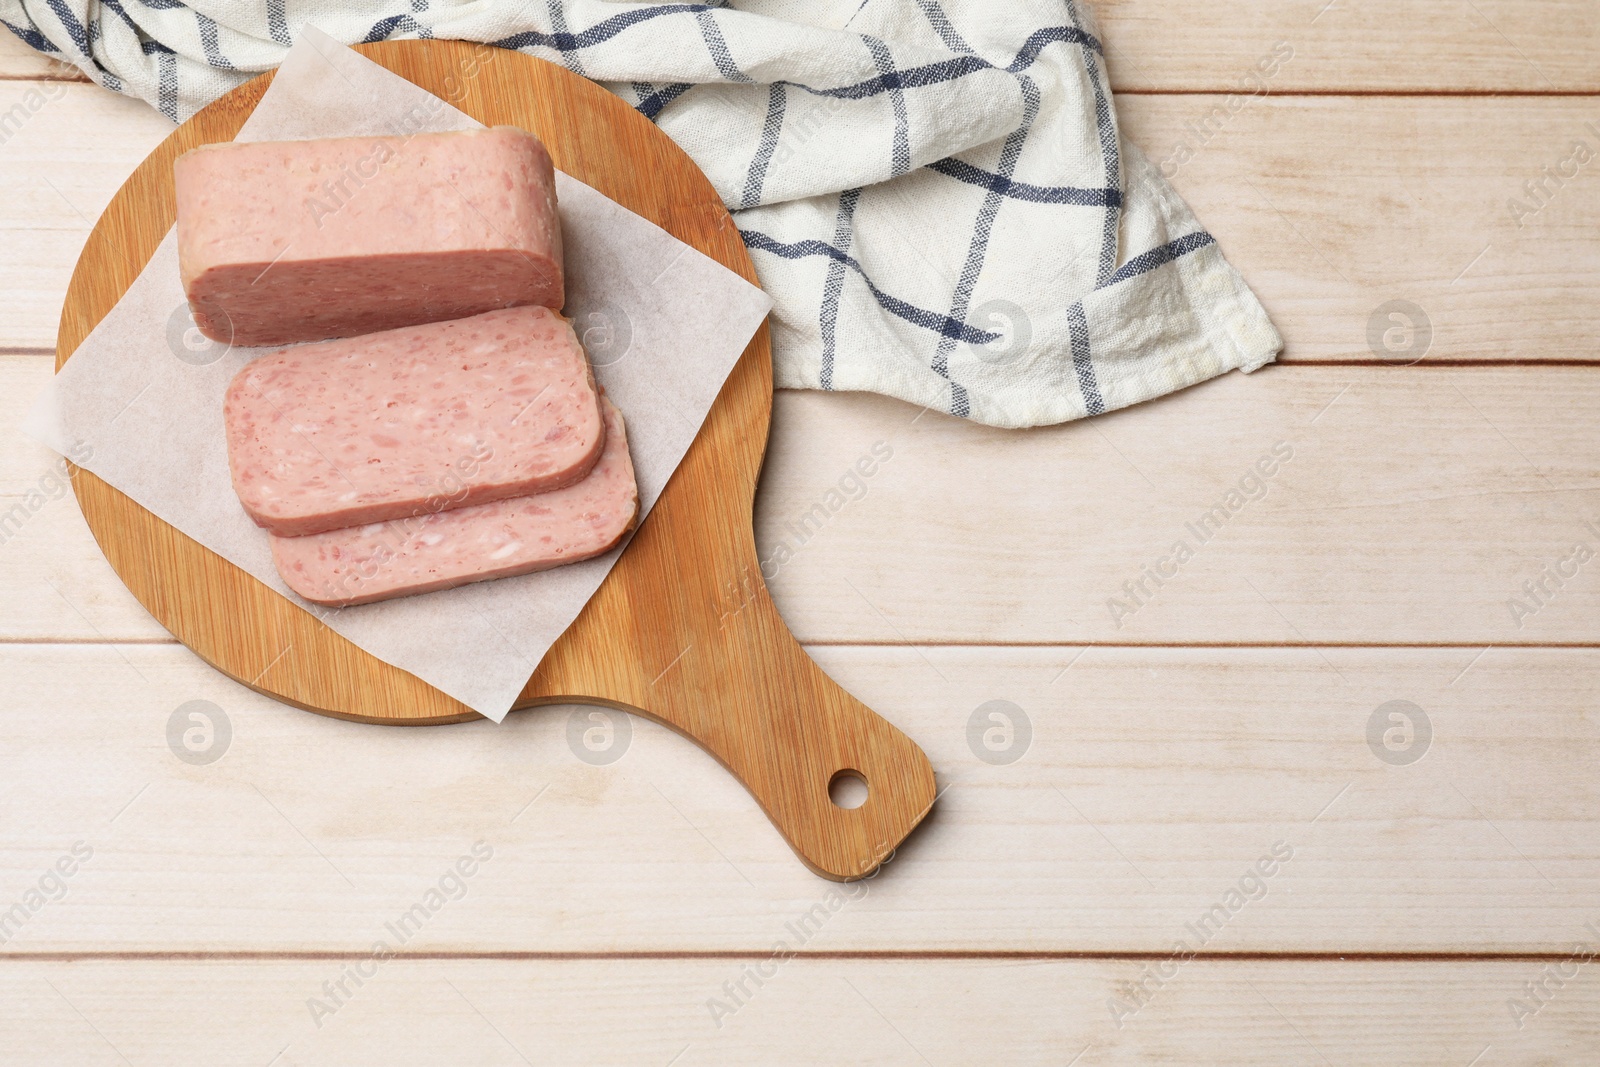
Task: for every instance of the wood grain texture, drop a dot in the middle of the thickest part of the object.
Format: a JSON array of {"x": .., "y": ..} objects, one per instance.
[
  {"x": 1333, "y": 206},
  {"x": 19, "y": 62},
  {"x": 1472, "y": 46},
  {"x": 1143, "y": 785},
  {"x": 1245, "y": 1014},
  {"x": 1415, "y": 506},
  {"x": 1426, "y": 46},
  {"x": 658, "y": 637},
  {"x": 1439, "y": 492},
  {"x": 1329, "y": 206},
  {"x": 1408, "y": 522},
  {"x": 59, "y": 167}
]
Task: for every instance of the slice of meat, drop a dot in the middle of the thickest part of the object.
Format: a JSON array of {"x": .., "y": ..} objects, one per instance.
[
  {"x": 412, "y": 421},
  {"x": 285, "y": 241},
  {"x": 449, "y": 548}
]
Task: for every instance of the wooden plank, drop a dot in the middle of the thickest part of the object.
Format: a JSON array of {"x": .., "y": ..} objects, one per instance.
[
  {"x": 1438, "y": 500},
  {"x": 19, "y": 62},
  {"x": 654, "y": 1012},
  {"x": 1334, "y": 207},
  {"x": 1434, "y": 46},
  {"x": 1424, "y": 45},
  {"x": 59, "y": 165},
  {"x": 1410, "y": 512},
  {"x": 1325, "y": 228},
  {"x": 1150, "y": 784},
  {"x": 54, "y": 579}
]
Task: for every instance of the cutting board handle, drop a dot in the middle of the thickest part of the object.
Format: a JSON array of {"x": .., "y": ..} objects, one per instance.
[
  {"x": 696, "y": 643},
  {"x": 756, "y": 701},
  {"x": 742, "y": 688}
]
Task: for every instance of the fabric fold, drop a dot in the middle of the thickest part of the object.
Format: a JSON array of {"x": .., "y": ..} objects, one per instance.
[{"x": 936, "y": 193}]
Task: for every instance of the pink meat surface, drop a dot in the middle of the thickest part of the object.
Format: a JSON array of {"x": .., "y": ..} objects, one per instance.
[
  {"x": 450, "y": 548},
  {"x": 412, "y": 421},
  {"x": 286, "y": 241}
]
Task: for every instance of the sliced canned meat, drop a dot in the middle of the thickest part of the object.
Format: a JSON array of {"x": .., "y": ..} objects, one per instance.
[
  {"x": 286, "y": 241},
  {"x": 412, "y": 421},
  {"x": 450, "y": 548}
]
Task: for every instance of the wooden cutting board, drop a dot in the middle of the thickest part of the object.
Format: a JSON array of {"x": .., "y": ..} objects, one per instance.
[{"x": 682, "y": 630}]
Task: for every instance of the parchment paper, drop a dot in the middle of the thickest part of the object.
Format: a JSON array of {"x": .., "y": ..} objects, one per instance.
[{"x": 140, "y": 402}]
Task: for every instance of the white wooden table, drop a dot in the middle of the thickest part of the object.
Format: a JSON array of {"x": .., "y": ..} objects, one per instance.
[{"x": 1432, "y": 874}]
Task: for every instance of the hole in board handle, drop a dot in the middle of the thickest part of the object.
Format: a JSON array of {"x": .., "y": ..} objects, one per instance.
[{"x": 848, "y": 789}]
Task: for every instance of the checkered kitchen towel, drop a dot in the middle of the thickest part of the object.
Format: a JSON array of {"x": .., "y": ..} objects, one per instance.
[{"x": 935, "y": 192}]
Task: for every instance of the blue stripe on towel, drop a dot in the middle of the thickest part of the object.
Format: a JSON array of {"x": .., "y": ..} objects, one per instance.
[
  {"x": 777, "y": 95},
  {"x": 1156, "y": 257},
  {"x": 1088, "y": 384},
  {"x": 1036, "y": 194},
  {"x": 833, "y": 287},
  {"x": 943, "y": 325}
]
